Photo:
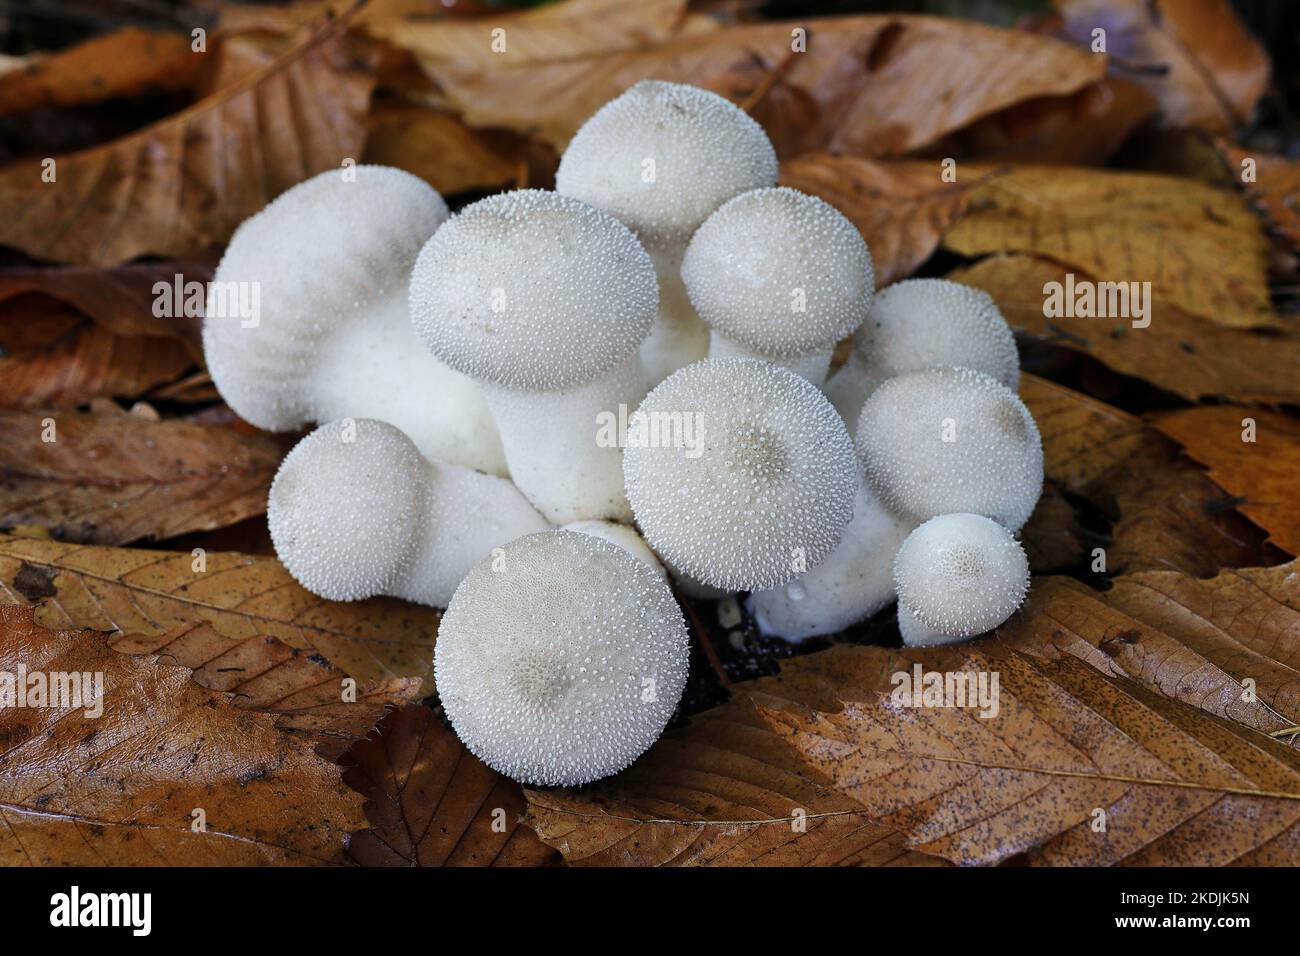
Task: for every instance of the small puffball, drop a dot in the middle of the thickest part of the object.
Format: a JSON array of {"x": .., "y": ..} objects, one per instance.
[
  {"x": 662, "y": 157},
  {"x": 916, "y": 634},
  {"x": 780, "y": 273},
  {"x": 951, "y": 439},
  {"x": 924, "y": 323},
  {"x": 561, "y": 659},
  {"x": 740, "y": 474},
  {"x": 623, "y": 536},
  {"x": 344, "y": 508},
  {"x": 960, "y": 575},
  {"x": 533, "y": 291}
]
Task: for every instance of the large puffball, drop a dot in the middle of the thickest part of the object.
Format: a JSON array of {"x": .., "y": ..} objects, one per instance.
[
  {"x": 560, "y": 659},
  {"x": 951, "y": 439}
]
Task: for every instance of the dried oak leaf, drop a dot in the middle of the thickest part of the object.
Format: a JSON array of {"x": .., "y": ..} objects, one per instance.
[
  {"x": 1179, "y": 352},
  {"x": 1178, "y": 786},
  {"x": 1262, "y": 474},
  {"x": 179, "y": 187},
  {"x": 430, "y": 802},
  {"x": 441, "y": 149},
  {"x": 113, "y": 479},
  {"x": 1200, "y": 247},
  {"x": 163, "y": 594},
  {"x": 122, "y": 788}
]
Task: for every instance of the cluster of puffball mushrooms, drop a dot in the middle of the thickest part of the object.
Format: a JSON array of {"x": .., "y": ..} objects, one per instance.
[{"x": 545, "y": 411}]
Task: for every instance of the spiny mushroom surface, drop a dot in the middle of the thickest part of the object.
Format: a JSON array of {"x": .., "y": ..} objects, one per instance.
[
  {"x": 924, "y": 323},
  {"x": 779, "y": 275},
  {"x": 330, "y": 260},
  {"x": 761, "y": 483},
  {"x": 560, "y": 661},
  {"x": 958, "y": 575},
  {"x": 543, "y": 300},
  {"x": 661, "y": 158},
  {"x": 625, "y": 537},
  {"x": 356, "y": 511},
  {"x": 951, "y": 439}
]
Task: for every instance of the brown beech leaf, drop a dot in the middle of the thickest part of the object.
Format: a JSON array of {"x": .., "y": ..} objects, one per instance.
[
  {"x": 1179, "y": 352},
  {"x": 865, "y": 85},
  {"x": 902, "y": 208},
  {"x": 1200, "y": 247},
  {"x": 1197, "y": 641},
  {"x": 722, "y": 791},
  {"x": 430, "y": 802},
  {"x": 1179, "y": 786},
  {"x": 51, "y": 354},
  {"x": 1214, "y": 71},
  {"x": 1167, "y": 513},
  {"x": 1052, "y": 536},
  {"x": 126, "y": 62},
  {"x": 1275, "y": 187},
  {"x": 122, "y": 788},
  {"x": 106, "y": 479},
  {"x": 179, "y": 187},
  {"x": 441, "y": 149},
  {"x": 308, "y": 696},
  {"x": 163, "y": 594},
  {"x": 1262, "y": 474}
]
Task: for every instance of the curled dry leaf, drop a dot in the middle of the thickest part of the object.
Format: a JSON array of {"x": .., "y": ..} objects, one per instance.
[
  {"x": 108, "y": 479},
  {"x": 1190, "y": 356},
  {"x": 430, "y": 802},
  {"x": 1201, "y": 248},
  {"x": 1260, "y": 473},
  {"x": 162, "y": 594},
  {"x": 124, "y": 787},
  {"x": 179, "y": 187},
  {"x": 1274, "y": 186},
  {"x": 1052, "y": 537},
  {"x": 440, "y": 149},
  {"x": 1178, "y": 786}
]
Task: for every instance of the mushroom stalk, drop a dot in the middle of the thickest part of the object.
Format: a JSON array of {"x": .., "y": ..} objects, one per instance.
[
  {"x": 678, "y": 336},
  {"x": 812, "y": 365}
]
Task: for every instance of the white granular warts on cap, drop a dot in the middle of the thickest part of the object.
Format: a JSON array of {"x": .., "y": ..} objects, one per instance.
[
  {"x": 662, "y": 157},
  {"x": 560, "y": 660},
  {"x": 951, "y": 439},
  {"x": 322, "y": 255},
  {"x": 533, "y": 291},
  {"x": 740, "y": 473},
  {"x": 345, "y": 515},
  {"x": 923, "y": 323},
  {"x": 961, "y": 574},
  {"x": 780, "y": 272}
]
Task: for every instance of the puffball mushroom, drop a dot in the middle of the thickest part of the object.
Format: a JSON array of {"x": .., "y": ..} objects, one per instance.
[
  {"x": 951, "y": 439},
  {"x": 623, "y": 536},
  {"x": 329, "y": 262},
  {"x": 356, "y": 511},
  {"x": 854, "y": 582},
  {"x": 544, "y": 301},
  {"x": 740, "y": 473},
  {"x": 560, "y": 661},
  {"x": 924, "y": 323},
  {"x": 958, "y": 575},
  {"x": 779, "y": 275},
  {"x": 661, "y": 158}
]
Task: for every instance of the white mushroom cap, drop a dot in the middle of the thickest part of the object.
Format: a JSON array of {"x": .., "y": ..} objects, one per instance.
[
  {"x": 761, "y": 488},
  {"x": 924, "y": 323},
  {"x": 780, "y": 272},
  {"x": 560, "y": 661},
  {"x": 344, "y": 514},
  {"x": 625, "y": 537},
  {"x": 961, "y": 574},
  {"x": 951, "y": 439},
  {"x": 534, "y": 291},
  {"x": 662, "y": 156},
  {"x": 916, "y": 634}
]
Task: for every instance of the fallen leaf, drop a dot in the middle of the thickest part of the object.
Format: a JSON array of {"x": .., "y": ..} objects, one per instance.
[
  {"x": 1178, "y": 786},
  {"x": 432, "y": 803},
  {"x": 1200, "y": 248},
  {"x": 123, "y": 788},
  {"x": 1052, "y": 538},
  {"x": 126, "y": 62},
  {"x": 104, "y": 479},
  {"x": 1189, "y": 356},
  {"x": 179, "y": 187},
  {"x": 902, "y": 208},
  {"x": 1274, "y": 186},
  {"x": 1261, "y": 474},
  {"x": 1214, "y": 70},
  {"x": 162, "y": 594},
  {"x": 440, "y": 149}
]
